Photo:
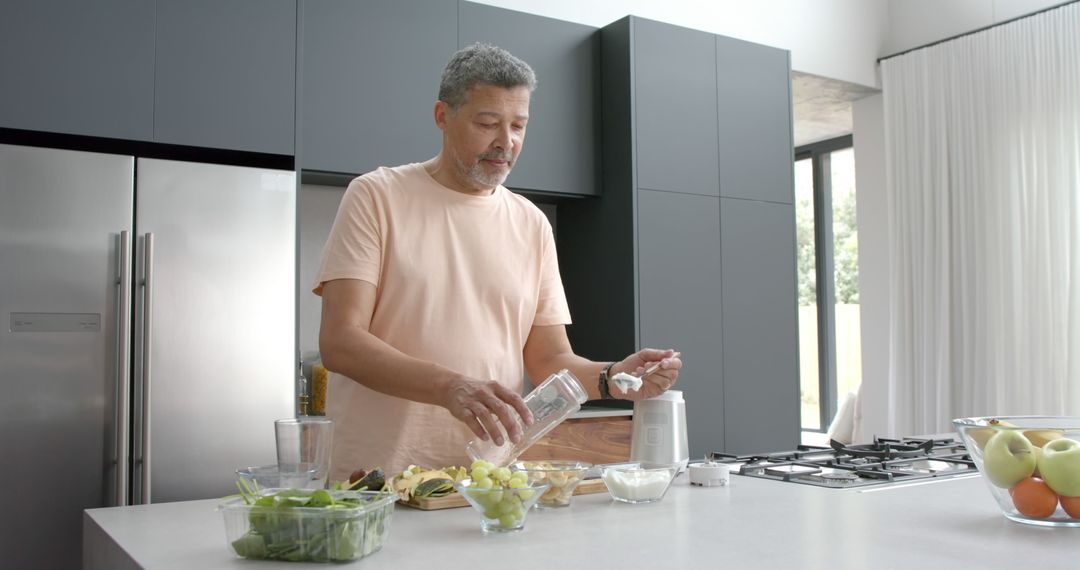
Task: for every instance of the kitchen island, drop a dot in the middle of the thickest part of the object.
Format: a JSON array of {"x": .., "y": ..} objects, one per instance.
[{"x": 949, "y": 523}]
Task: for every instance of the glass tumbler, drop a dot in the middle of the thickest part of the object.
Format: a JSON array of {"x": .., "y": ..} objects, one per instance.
[{"x": 305, "y": 440}]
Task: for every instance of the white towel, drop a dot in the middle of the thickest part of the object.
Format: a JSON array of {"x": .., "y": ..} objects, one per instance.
[{"x": 843, "y": 425}]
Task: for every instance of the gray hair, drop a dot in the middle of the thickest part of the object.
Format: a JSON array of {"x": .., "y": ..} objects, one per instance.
[{"x": 482, "y": 63}]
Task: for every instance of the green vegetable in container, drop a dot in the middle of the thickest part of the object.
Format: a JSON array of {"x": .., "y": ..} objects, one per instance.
[{"x": 284, "y": 527}]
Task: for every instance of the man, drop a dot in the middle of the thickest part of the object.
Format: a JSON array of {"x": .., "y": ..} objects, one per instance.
[{"x": 439, "y": 286}]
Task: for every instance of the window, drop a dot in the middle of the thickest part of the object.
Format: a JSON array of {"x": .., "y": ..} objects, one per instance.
[{"x": 830, "y": 361}]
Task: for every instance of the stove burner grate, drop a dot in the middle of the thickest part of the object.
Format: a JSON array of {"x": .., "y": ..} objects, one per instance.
[
  {"x": 885, "y": 448},
  {"x": 837, "y": 466}
]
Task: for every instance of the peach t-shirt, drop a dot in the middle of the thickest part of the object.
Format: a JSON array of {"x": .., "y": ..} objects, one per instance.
[{"x": 460, "y": 281}]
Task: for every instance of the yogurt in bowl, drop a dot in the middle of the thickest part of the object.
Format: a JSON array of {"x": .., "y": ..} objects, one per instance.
[{"x": 638, "y": 482}]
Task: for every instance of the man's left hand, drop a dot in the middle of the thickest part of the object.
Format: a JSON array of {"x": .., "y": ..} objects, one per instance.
[{"x": 654, "y": 384}]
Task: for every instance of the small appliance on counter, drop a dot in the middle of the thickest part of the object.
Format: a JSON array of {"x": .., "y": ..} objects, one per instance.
[
  {"x": 709, "y": 474},
  {"x": 658, "y": 433}
]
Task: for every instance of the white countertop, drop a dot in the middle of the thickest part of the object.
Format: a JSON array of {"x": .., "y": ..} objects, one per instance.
[{"x": 951, "y": 523}]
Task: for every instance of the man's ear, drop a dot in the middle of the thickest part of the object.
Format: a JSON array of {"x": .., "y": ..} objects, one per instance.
[{"x": 442, "y": 114}]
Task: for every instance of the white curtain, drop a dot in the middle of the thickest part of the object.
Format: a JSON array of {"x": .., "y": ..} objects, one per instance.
[{"x": 983, "y": 182}]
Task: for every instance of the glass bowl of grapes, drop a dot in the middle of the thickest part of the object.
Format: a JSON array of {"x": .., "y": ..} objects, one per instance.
[{"x": 503, "y": 498}]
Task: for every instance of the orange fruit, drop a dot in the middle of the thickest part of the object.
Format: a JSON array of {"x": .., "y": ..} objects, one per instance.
[
  {"x": 1034, "y": 498},
  {"x": 1071, "y": 506}
]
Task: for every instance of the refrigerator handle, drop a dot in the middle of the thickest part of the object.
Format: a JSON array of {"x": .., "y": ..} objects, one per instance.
[
  {"x": 148, "y": 314},
  {"x": 123, "y": 369}
]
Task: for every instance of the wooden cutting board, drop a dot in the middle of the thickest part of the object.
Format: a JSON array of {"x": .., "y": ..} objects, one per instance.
[{"x": 456, "y": 500}]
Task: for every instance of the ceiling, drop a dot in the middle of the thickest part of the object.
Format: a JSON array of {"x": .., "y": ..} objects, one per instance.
[{"x": 822, "y": 106}]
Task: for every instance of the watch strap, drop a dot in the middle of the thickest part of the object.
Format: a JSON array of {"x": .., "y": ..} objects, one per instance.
[{"x": 605, "y": 391}]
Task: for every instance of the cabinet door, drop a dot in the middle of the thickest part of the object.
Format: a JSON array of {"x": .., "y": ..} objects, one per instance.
[
  {"x": 679, "y": 304},
  {"x": 226, "y": 74},
  {"x": 560, "y": 154},
  {"x": 369, "y": 79},
  {"x": 78, "y": 67},
  {"x": 761, "y": 381},
  {"x": 754, "y": 98},
  {"x": 675, "y": 90}
]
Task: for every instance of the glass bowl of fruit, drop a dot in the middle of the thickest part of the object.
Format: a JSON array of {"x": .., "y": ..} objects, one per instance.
[
  {"x": 502, "y": 498},
  {"x": 1031, "y": 464},
  {"x": 562, "y": 478}
]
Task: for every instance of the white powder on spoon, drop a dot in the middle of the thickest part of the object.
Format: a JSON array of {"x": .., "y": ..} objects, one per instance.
[{"x": 625, "y": 382}]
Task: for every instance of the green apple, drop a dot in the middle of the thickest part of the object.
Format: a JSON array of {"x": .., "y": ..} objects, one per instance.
[
  {"x": 1009, "y": 458},
  {"x": 1060, "y": 466}
]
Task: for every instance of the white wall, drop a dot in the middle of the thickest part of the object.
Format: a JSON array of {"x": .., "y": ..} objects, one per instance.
[
  {"x": 914, "y": 23},
  {"x": 874, "y": 261},
  {"x": 833, "y": 38}
]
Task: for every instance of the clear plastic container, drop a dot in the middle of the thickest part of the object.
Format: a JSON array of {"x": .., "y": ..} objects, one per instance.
[
  {"x": 550, "y": 403},
  {"x": 309, "y": 534},
  {"x": 284, "y": 476}
]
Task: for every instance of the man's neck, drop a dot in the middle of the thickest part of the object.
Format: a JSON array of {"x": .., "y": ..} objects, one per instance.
[{"x": 442, "y": 169}]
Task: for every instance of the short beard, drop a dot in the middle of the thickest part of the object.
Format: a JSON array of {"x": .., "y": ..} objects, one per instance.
[{"x": 476, "y": 172}]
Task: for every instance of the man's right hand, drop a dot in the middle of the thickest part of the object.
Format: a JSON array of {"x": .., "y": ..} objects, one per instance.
[{"x": 479, "y": 404}]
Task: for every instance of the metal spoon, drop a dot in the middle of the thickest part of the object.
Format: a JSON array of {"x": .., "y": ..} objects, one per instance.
[{"x": 656, "y": 366}]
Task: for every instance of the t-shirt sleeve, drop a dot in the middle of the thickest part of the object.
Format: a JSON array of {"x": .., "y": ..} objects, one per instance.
[
  {"x": 551, "y": 308},
  {"x": 354, "y": 248}
]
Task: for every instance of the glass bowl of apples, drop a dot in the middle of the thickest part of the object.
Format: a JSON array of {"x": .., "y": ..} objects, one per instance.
[{"x": 1031, "y": 464}]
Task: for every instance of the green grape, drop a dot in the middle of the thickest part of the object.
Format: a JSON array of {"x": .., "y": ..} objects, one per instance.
[
  {"x": 525, "y": 494},
  {"x": 508, "y": 520},
  {"x": 520, "y": 476},
  {"x": 502, "y": 474},
  {"x": 505, "y": 506},
  {"x": 480, "y": 472},
  {"x": 518, "y": 511},
  {"x": 495, "y": 496},
  {"x": 478, "y": 463},
  {"x": 485, "y": 500},
  {"x": 491, "y": 513},
  {"x": 484, "y": 483},
  {"x": 518, "y": 484}
]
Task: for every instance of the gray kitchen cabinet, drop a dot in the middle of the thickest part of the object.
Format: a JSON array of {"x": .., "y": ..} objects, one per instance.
[
  {"x": 760, "y": 342},
  {"x": 754, "y": 99},
  {"x": 225, "y": 74},
  {"x": 369, "y": 77},
  {"x": 661, "y": 260},
  {"x": 78, "y": 67},
  {"x": 679, "y": 267},
  {"x": 674, "y": 82},
  {"x": 562, "y": 138}
]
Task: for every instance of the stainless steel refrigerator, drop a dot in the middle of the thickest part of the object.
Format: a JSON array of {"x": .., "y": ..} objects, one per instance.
[{"x": 149, "y": 340}]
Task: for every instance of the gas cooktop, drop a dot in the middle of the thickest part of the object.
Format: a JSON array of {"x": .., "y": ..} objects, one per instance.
[{"x": 846, "y": 466}]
